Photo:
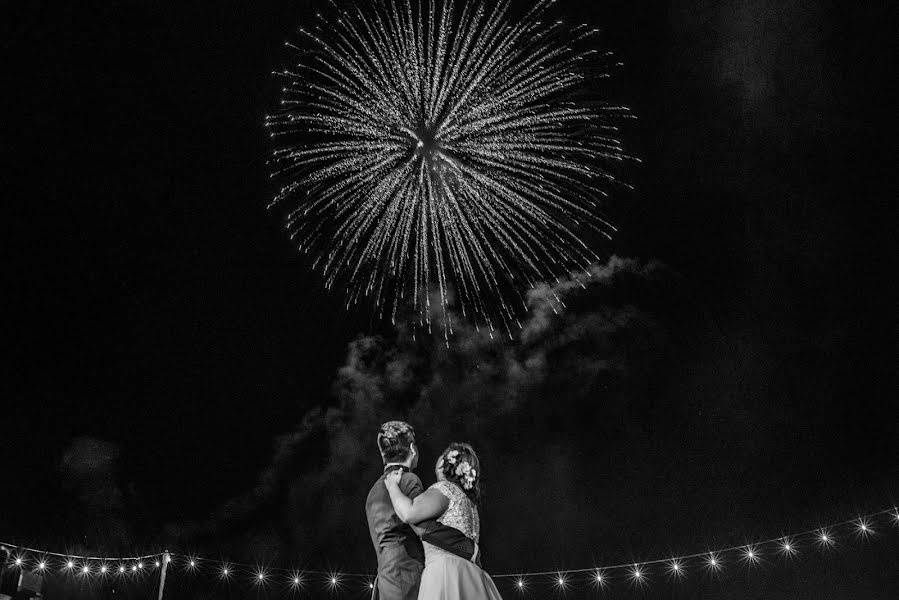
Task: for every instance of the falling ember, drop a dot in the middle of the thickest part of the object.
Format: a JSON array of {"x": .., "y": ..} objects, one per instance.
[{"x": 430, "y": 148}]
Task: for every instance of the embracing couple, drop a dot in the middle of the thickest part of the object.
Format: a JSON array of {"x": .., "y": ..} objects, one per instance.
[{"x": 426, "y": 540}]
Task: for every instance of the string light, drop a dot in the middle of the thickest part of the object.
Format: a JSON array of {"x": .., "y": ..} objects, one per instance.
[
  {"x": 296, "y": 582},
  {"x": 192, "y": 563},
  {"x": 675, "y": 567},
  {"x": 638, "y": 575},
  {"x": 751, "y": 556},
  {"x": 335, "y": 580},
  {"x": 786, "y": 547},
  {"x": 713, "y": 562},
  {"x": 825, "y": 538},
  {"x": 863, "y": 527}
]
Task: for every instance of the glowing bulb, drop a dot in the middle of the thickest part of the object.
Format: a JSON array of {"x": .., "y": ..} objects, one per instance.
[
  {"x": 225, "y": 571},
  {"x": 41, "y": 565},
  {"x": 193, "y": 563},
  {"x": 156, "y": 563},
  {"x": 371, "y": 586},
  {"x": 296, "y": 581},
  {"x": 133, "y": 568},
  {"x": 70, "y": 564},
  {"x": 637, "y": 574},
  {"x": 85, "y": 569},
  {"x": 121, "y": 569},
  {"x": 561, "y": 582},
  {"x": 103, "y": 569},
  {"x": 140, "y": 565},
  {"x": 520, "y": 584},
  {"x": 333, "y": 581},
  {"x": 261, "y": 576},
  {"x": 787, "y": 547},
  {"x": 19, "y": 561},
  {"x": 864, "y": 528}
]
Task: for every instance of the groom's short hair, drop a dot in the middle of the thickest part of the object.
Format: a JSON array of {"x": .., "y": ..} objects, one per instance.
[{"x": 395, "y": 440}]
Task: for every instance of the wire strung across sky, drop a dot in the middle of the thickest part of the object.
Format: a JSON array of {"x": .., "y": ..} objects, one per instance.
[{"x": 750, "y": 554}]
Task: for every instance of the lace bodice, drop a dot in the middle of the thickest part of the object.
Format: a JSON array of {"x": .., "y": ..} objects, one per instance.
[{"x": 461, "y": 512}]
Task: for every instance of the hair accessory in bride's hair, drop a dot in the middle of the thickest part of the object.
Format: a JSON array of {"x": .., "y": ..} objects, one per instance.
[
  {"x": 460, "y": 466},
  {"x": 465, "y": 473}
]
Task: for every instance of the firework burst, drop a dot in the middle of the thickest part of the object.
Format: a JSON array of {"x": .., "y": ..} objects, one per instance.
[{"x": 433, "y": 154}]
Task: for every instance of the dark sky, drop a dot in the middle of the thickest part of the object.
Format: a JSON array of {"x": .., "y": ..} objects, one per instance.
[{"x": 178, "y": 376}]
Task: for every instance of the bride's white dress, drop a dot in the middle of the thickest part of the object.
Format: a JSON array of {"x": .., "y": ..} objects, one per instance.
[{"x": 447, "y": 576}]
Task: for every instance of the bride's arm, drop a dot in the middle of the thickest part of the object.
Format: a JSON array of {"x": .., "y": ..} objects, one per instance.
[{"x": 427, "y": 505}]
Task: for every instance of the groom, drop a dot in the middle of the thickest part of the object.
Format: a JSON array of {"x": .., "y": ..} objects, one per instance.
[{"x": 399, "y": 551}]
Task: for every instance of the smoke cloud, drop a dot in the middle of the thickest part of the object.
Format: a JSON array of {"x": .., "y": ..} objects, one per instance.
[
  {"x": 88, "y": 470},
  {"x": 585, "y": 348}
]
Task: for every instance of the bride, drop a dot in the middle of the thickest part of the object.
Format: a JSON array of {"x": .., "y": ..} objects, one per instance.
[{"x": 452, "y": 501}]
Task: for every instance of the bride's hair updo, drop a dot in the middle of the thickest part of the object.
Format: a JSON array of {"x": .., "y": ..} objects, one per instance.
[{"x": 462, "y": 467}]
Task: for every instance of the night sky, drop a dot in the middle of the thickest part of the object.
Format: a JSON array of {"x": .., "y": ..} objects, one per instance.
[{"x": 179, "y": 378}]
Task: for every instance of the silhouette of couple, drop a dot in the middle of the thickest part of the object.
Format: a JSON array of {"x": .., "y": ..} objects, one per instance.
[{"x": 426, "y": 541}]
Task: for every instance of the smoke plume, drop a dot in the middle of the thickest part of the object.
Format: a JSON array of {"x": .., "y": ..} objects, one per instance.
[{"x": 586, "y": 346}]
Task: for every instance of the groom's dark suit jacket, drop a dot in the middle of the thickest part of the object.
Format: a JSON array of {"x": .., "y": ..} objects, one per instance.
[{"x": 399, "y": 551}]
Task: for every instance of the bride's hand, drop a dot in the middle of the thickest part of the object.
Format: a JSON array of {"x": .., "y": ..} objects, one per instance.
[{"x": 393, "y": 478}]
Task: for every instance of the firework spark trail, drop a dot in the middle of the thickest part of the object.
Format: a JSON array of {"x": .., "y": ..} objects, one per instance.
[{"x": 435, "y": 147}]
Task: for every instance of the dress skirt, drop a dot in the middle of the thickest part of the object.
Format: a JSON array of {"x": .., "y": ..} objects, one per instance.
[{"x": 450, "y": 577}]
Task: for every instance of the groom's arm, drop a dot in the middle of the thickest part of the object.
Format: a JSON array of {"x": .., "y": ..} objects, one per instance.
[{"x": 411, "y": 485}]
